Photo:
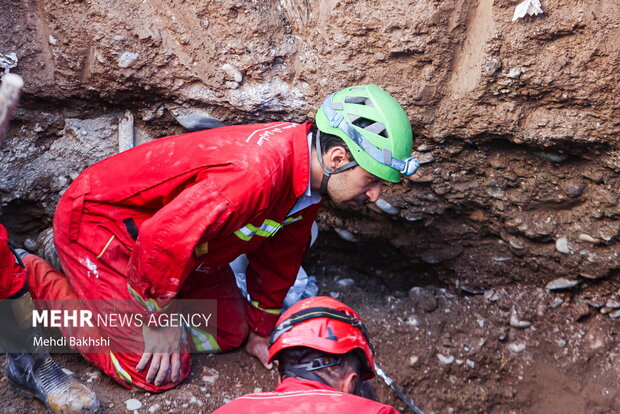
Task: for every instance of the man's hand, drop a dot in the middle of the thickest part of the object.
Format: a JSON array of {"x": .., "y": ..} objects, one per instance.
[
  {"x": 258, "y": 346},
  {"x": 162, "y": 346}
]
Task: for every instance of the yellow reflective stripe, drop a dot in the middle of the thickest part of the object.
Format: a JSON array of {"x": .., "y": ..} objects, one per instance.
[
  {"x": 105, "y": 247},
  {"x": 292, "y": 220},
  {"x": 201, "y": 249},
  {"x": 149, "y": 304},
  {"x": 271, "y": 311},
  {"x": 204, "y": 341},
  {"x": 267, "y": 229},
  {"x": 246, "y": 232},
  {"x": 119, "y": 370}
]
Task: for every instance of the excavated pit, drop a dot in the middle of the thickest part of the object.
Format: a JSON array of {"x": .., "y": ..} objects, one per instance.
[{"x": 517, "y": 126}]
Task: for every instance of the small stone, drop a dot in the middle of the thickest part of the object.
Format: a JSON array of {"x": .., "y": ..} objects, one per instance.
[
  {"x": 615, "y": 314},
  {"x": 196, "y": 119},
  {"x": 419, "y": 177},
  {"x": 588, "y": 238},
  {"x": 447, "y": 360},
  {"x": 413, "y": 360},
  {"x": 412, "y": 321},
  {"x": 595, "y": 338},
  {"x": 551, "y": 156},
  {"x": 561, "y": 343},
  {"x": 515, "y": 73},
  {"x": 210, "y": 375},
  {"x": 133, "y": 404},
  {"x": 334, "y": 295},
  {"x": 480, "y": 322},
  {"x": 580, "y": 311},
  {"x": 127, "y": 59},
  {"x": 575, "y": 188},
  {"x": 257, "y": 390},
  {"x": 515, "y": 322},
  {"x": 515, "y": 347},
  {"x": 503, "y": 334},
  {"x": 613, "y": 304},
  {"x": 386, "y": 207},
  {"x": 346, "y": 282},
  {"x": 556, "y": 302},
  {"x": 470, "y": 363},
  {"x": 424, "y": 148},
  {"x": 425, "y": 158},
  {"x": 154, "y": 408},
  {"x": 412, "y": 217},
  {"x": 495, "y": 190},
  {"x": 562, "y": 283},
  {"x": 346, "y": 235},
  {"x": 492, "y": 65},
  {"x": 561, "y": 245},
  {"x": 232, "y": 72},
  {"x": 492, "y": 295}
]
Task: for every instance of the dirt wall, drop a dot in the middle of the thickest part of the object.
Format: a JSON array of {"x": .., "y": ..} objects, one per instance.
[{"x": 517, "y": 121}]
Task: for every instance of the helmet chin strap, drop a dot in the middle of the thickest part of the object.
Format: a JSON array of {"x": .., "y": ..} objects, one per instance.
[{"x": 327, "y": 172}]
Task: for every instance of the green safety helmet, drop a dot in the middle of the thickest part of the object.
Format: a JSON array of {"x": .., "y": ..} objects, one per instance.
[{"x": 375, "y": 128}]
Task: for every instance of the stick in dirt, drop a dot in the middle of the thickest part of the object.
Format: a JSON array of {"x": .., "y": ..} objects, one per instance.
[{"x": 390, "y": 383}]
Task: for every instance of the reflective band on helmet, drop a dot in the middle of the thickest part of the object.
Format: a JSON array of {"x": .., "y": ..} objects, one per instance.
[
  {"x": 318, "y": 312},
  {"x": 407, "y": 167}
]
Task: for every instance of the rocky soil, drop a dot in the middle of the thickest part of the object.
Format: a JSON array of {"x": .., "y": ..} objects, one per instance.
[{"x": 516, "y": 123}]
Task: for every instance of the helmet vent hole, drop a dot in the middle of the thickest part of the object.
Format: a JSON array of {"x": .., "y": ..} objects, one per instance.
[
  {"x": 358, "y": 100},
  {"x": 369, "y": 125}
]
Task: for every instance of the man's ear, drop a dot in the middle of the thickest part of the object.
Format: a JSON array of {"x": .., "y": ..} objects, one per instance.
[
  {"x": 349, "y": 382},
  {"x": 335, "y": 157}
]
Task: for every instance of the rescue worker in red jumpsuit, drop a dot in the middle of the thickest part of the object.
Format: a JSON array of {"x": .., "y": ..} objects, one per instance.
[
  {"x": 162, "y": 221},
  {"x": 323, "y": 355},
  {"x": 30, "y": 370}
]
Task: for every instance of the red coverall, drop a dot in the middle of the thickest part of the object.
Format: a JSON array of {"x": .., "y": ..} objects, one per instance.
[
  {"x": 12, "y": 275},
  {"x": 163, "y": 220},
  {"x": 300, "y": 396}
]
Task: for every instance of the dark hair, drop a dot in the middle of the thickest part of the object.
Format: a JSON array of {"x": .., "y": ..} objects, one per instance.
[
  {"x": 329, "y": 141},
  {"x": 349, "y": 362}
]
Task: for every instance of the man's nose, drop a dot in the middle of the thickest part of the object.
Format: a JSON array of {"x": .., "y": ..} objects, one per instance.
[{"x": 374, "y": 192}]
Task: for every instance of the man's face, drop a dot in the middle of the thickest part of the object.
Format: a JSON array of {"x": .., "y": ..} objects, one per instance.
[{"x": 354, "y": 187}]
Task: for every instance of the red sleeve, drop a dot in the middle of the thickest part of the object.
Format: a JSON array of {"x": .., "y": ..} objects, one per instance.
[
  {"x": 163, "y": 255},
  {"x": 273, "y": 268}
]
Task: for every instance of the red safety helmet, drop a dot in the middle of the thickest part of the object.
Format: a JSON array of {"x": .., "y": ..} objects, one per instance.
[{"x": 325, "y": 324}]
